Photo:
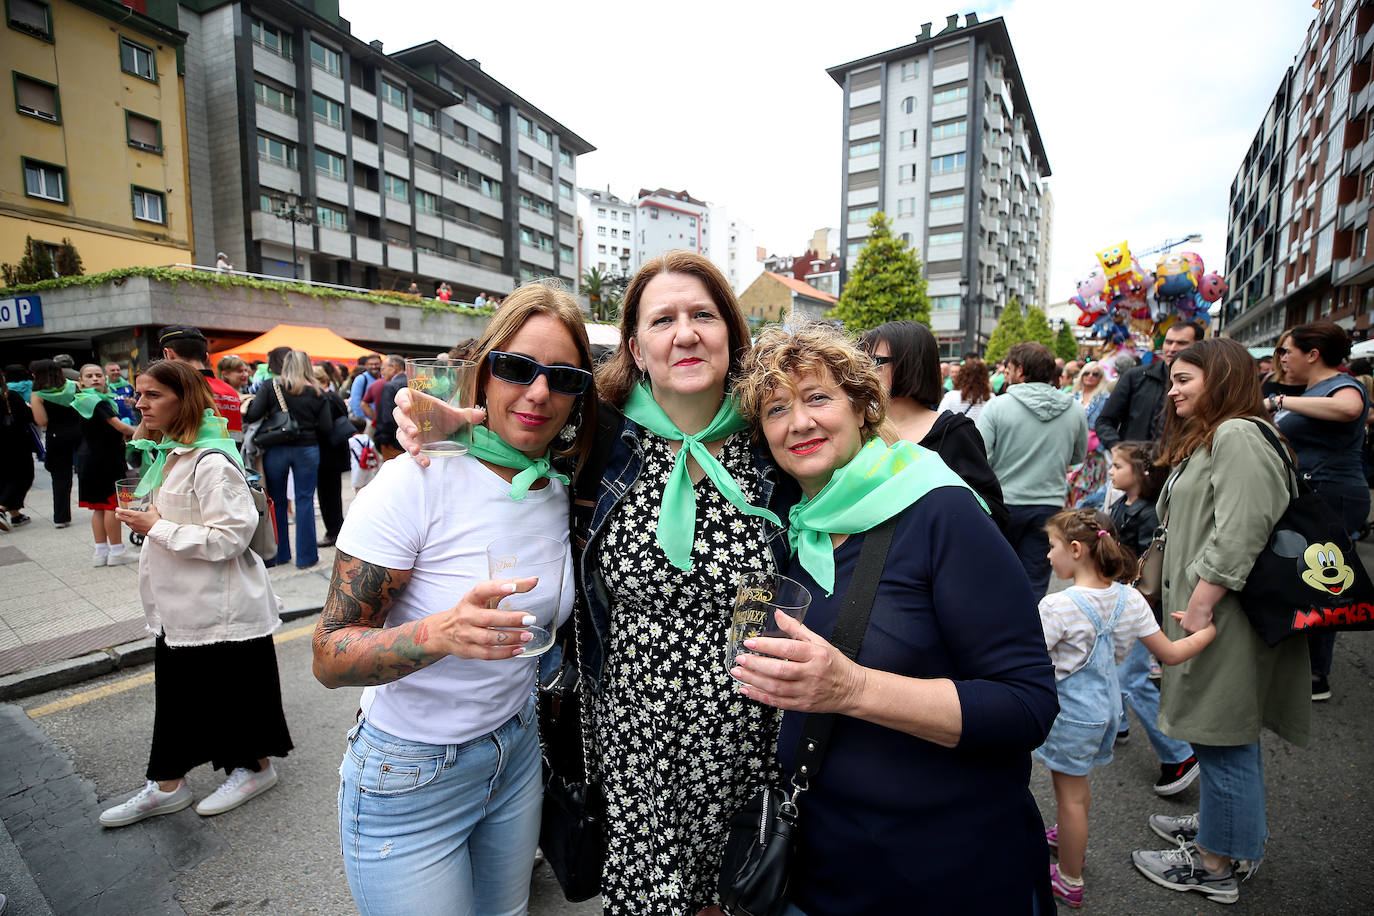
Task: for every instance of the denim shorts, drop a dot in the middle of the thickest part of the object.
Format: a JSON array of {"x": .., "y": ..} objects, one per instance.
[{"x": 441, "y": 829}]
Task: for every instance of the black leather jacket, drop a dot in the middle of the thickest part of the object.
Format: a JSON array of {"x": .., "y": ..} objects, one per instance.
[{"x": 1136, "y": 400}]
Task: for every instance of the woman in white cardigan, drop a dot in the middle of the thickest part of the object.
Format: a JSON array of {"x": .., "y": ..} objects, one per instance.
[{"x": 208, "y": 601}]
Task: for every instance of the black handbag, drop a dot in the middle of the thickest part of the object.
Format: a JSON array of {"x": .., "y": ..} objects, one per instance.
[
  {"x": 278, "y": 427},
  {"x": 341, "y": 426},
  {"x": 572, "y": 826},
  {"x": 757, "y": 863},
  {"x": 1308, "y": 577}
]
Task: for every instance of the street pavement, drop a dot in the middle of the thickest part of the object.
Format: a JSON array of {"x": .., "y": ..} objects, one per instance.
[{"x": 69, "y": 752}]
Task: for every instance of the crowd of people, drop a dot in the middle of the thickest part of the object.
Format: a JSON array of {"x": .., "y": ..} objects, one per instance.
[{"x": 687, "y": 456}]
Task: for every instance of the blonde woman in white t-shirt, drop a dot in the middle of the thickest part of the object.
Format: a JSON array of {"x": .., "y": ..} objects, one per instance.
[
  {"x": 441, "y": 793},
  {"x": 1089, "y": 627}
]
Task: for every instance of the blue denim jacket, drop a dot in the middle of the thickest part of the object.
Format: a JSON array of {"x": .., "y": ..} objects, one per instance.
[{"x": 603, "y": 483}]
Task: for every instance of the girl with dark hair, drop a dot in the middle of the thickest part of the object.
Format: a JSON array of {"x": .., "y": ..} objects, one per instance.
[
  {"x": 16, "y": 453},
  {"x": 972, "y": 389},
  {"x": 1326, "y": 427},
  {"x": 100, "y": 464},
  {"x": 1228, "y": 488},
  {"x": 908, "y": 359},
  {"x": 207, "y": 599},
  {"x": 51, "y": 402},
  {"x": 1089, "y": 628}
]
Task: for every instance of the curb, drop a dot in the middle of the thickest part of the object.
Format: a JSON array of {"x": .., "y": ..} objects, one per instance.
[{"x": 70, "y": 671}]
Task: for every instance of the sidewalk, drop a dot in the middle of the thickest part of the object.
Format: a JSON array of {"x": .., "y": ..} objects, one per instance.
[{"x": 63, "y": 620}]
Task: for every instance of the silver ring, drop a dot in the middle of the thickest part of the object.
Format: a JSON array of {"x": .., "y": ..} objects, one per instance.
[{"x": 501, "y": 638}]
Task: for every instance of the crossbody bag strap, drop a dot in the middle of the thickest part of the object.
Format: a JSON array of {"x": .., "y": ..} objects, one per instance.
[
  {"x": 280, "y": 400},
  {"x": 1273, "y": 438},
  {"x": 850, "y": 627}
]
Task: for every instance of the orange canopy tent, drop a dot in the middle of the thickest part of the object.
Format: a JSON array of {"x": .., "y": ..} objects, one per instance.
[{"x": 320, "y": 343}]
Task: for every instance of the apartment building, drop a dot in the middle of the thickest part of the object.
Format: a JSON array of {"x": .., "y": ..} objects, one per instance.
[
  {"x": 94, "y": 140},
  {"x": 608, "y": 232},
  {"x": 670, "y": 220},
  {"x": 1312, "y": 247},
  {"x": 410, "y": 166},
  {"x": 939, "y": 135}
]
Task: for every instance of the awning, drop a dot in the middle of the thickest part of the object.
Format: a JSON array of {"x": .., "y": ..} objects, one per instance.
[{"x": 320, "y": 343}]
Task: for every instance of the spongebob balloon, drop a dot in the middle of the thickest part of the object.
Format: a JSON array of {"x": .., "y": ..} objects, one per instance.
[{"x": 1120, "y": 272}]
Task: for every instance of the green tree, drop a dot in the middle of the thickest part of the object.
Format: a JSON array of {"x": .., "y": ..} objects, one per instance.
[
  {"x": 68, "y": 261},
  {"x": 1037, "y": 328},
  {"x": 594, "y": 285},
  {"x": 34, "y": 266},
  {"x": 1009, "y": 331},
  {"x": 888, "y": 283},
  {"x": 610, "y": 305},
  {"x": 1065, "y": 344}
]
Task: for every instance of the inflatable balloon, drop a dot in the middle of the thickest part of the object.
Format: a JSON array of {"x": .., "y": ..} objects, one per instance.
[
  {"x": 1120, "y": 271},
  {"x": 1212, "y": 287},
  {"x": 1120, "y": 298}
]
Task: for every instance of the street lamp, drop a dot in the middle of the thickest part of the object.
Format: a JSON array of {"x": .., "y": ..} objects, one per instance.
[
  {"x": 981, "y": 305},
  {"x": 970, "y": 334},
  {"x": 296, "y": 212}
]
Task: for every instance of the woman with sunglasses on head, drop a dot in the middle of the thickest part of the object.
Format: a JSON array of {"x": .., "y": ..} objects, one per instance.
[
  {"x": 1091, "y": 389},
  {"x": 441, "y": 793}
]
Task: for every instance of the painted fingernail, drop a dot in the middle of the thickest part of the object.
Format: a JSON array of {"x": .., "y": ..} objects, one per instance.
[
  {"x": 526, "y": 636},
  {"x": 527, "y": 620},
  {"x": 517, "y": 652},
  {"x": 508, "y": 588}
]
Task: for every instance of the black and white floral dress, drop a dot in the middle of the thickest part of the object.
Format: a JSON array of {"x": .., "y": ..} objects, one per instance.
[{"x": 680, "y": 748}]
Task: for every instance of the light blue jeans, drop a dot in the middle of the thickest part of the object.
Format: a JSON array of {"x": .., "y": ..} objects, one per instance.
[
  {"x": 441, "y": 829},
  {"x": 1231, "y": 820},
  {"x": 1142, "y": 695}
]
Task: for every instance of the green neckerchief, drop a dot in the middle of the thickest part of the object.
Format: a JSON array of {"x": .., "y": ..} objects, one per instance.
[
  {"x": 86, "y": 399},
  {"x": 876, "y": 484},
  {"x": 64, "y": 395},
  {"x": 262, "y": 373},
  {"x": 489, "y": 446},
  {"x": 212, "y": 434},
  {"x": 677, "y": 516}
]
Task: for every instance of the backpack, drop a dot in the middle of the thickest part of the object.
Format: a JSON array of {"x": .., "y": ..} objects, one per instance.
[
  {"x": 368, "y": 459},
  {"x": 264, "y": 540}
]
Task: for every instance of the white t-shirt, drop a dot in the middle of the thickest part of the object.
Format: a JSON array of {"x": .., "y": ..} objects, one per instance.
[
  {"x": 1069, "y": 634},
  {"x": 954, "y": 402},
  {"x": 438, "y": 522}
]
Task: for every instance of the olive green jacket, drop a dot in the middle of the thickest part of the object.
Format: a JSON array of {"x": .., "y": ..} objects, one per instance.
[{"x": 1221, "y": 507}]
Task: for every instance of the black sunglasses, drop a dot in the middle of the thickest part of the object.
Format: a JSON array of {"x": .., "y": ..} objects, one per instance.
[
  {"x": 881, "y": 360},
  {"x": 521, "y": 370}
]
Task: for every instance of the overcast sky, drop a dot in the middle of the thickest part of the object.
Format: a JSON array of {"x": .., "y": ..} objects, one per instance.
[{"x": 1146, "y": 110}]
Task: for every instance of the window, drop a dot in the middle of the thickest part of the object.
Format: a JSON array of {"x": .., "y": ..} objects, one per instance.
[
  {"x": 327, "y": 111},
  {"x": 565, "y": 254},
  {"x": 954, "y": 94},
  {"x": 856, "y": 246},
  {"x": 944, "y": 304},
  {"x": 601, "y": 212},
  {"x": 906, "y": 206},
  {"x": 491, "y": 188},
  {"x": 565, "y": 190},
  {"x": 481, "y": 107},
  {"x": 543, "y": 138},
  {"x": 326, "y": 59},
  {"x": 393, "y": 94},
  {"x": 329, "y": 164},
  {"x": 864, "y": 147},
  {"x": 600, "y": 230},
  {"x": 908, "y": 138},
  {"x": 908, "y": 105},
  {"x": 862, "y": 214},
  {"x": 138, "y": 60},
  {"x": 144, "y": 133},
  {"x": 947, "y": 201},
  {"x": 396, "y": 188},
  {"x": 954, "y": 162},
  {"x": 277, "y": 151},
  {"x": 149, "y": 206},
  {"x": 615, "y": 233},
  {"x": 525, "y": 125},
  {"x": 949, "y": 129},
  {"x": 331, "y": 217},
  {"x": 282, "y": 100},
  {"x": 906, "y": 173},
  {"x": 600, "y": 249},
  {"x": 31, "y": 17},
  {"x": 46, "y": 181},
  {"x": 565, "y": 157},
  {"x": 653, "y": 213},
  {"x": 947, "y": 238},
  {"x": 911, "y": 69},
  {"x": 422, "y": 116},
  {"x": 425, "y": 202},
  {"x": 625, "y": 216},
  {"x": 272, "y": 38},
  {"x": 36, "y": 99}
]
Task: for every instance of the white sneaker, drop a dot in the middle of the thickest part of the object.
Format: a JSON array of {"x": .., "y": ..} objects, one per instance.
[
  {"x": 241, "y": 785},
  {"x": 4, "y": 520},
  {"x": 151, "y": 801},
  {"x": 99, "y": 559},
  {"x": 121, "y": 558}
]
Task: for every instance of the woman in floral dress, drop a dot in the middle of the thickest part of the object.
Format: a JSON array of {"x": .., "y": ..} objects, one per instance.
[
  {"x": 682, "y": 504},
  {"x": 1091, "y": 388}
]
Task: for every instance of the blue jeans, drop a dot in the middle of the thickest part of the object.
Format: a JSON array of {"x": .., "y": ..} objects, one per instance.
[
  {"x": 1026, "y": 532},
  {"x": 304, "y": 462},
  {"x": 1231, "y": 819},
  {"x": 441, "y": 829},
  {"x": 1142, "y": 695}
]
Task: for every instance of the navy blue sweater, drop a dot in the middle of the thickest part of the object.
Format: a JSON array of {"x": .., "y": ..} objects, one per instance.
[{"x": 896, "y": 824}]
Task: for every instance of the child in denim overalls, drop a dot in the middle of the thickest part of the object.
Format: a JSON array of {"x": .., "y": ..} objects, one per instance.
[{"x": 1089, "y": 627}]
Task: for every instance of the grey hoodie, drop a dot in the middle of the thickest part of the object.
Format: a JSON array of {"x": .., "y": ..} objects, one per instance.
[{"x": 1034, "y": 433}]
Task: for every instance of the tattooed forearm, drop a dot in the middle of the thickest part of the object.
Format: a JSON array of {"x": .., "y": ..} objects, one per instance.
[{"x": 351, "y": 646}]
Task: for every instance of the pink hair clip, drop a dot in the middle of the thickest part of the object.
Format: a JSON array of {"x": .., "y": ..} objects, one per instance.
[{"x": 1101, "y": 532}]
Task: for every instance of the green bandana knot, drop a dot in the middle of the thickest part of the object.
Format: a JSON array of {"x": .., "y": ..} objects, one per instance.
[
  {"x": 64, "y": 395},
  {"x": 212, "y": 434},
  {"x": 677, "y": 517},
  {"x": 86, "y": 399},
  {"x": 877, "y": 483},
  {"x": 488, "y": 446}
]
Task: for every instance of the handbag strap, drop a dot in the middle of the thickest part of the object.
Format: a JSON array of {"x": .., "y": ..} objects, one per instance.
[
  {"x": 1273, "y": 438},
  {"x": 280, "y": 400},
  {"x": 850, "y": 627}
]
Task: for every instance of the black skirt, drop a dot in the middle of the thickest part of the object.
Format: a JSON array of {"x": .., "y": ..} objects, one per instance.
[{"x": 220, "y": 704}]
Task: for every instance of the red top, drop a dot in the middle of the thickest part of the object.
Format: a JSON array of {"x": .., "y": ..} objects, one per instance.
[
  {"x": 374, "y": 392},
  {"x": 226, "y": 401}
]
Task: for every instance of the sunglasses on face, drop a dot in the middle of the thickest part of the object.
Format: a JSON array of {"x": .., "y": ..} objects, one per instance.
[
  {"x": 521, "y": 370},
  {"x": 1092, "y": 374},
  {"x": 1282, "y": 351},
  {"x": 882, "y": 360}
]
